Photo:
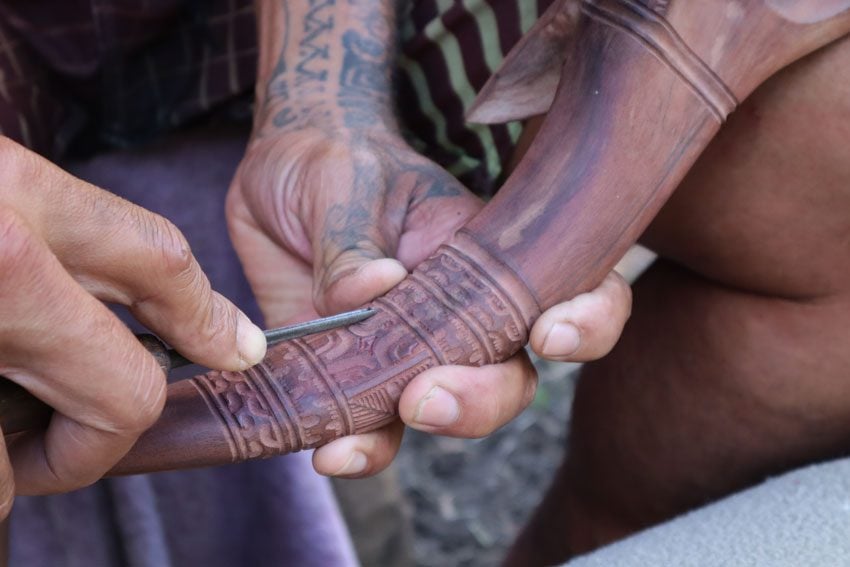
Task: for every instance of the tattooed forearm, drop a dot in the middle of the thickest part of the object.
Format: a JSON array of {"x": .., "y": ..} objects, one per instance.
[
  {"x": 332, "y": 68},
  {"x": 293, "y": 94},
  {"x": 311, "y": 71},
  {"x": 365, "y": 77}
]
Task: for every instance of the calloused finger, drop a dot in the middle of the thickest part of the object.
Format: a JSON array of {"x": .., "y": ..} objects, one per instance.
[
  {"x": 69, "y": 350},
  {"x": 462, "y": 401},
  {"x": 361, "y": 455},
  {"x": 125, "y": 254},
  {"x": 588, "y": 326}
]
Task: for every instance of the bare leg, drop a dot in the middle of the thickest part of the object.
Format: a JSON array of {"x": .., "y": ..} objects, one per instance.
[{"x": 735, "y": 364}]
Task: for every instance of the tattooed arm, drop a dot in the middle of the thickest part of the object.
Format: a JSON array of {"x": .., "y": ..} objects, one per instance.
[
  {"x": 330, "y": 208},
  {"x": 325, "y": 64}
]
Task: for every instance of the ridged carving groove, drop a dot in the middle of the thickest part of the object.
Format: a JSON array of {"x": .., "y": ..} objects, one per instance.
[
  {"x": 648, "y": 26},
  {"x": 312, "y": 390}
]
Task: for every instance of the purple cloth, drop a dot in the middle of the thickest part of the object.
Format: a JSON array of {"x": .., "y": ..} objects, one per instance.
[{"x": 275, "y": 512}]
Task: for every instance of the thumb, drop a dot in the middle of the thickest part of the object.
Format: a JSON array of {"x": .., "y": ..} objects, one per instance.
[
  {"x": 356, "y": 281},
  {"x": 350, "y": 265}
]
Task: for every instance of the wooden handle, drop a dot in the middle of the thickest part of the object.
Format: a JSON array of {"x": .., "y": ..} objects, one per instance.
[
  {"x": 21, "y": 411},
  {"x": 636, "y": 105}
]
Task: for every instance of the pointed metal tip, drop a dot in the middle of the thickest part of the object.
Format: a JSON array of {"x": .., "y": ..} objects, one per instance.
[{"x": 274, "y": 336}]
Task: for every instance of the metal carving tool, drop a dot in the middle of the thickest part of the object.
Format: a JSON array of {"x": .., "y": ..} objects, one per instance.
[
  {"x": 21, "y": 411},
  {"x": 273, "y": 336}
]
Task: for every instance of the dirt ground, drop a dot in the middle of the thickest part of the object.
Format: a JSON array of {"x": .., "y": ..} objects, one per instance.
[{"x": 469, "y": 498}]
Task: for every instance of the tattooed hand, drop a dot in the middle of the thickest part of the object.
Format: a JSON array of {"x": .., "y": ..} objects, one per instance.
[
  {"x": 324, "y": 222},
  {"x": 327, "y": 221},
  {"x": 330, "y": 208}
]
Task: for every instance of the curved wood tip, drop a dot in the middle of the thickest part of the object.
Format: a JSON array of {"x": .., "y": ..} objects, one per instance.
[{"x": 526, "y": 82}]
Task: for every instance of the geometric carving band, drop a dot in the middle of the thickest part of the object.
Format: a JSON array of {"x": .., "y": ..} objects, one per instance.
[{"x": 311, "y": 390}]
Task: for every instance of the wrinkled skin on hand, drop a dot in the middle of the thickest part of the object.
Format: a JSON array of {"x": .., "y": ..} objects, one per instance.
[
  {"x": 326, "y": 221},
  {"x": 323, "y": 206},
  {"x": 65, "y": 247}
]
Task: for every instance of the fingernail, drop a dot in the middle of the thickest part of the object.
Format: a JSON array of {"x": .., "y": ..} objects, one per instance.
[
  {"x": 250, "y": 341},
  {"x": 563, "y": 340},
  {"x": 437, "y": 408},
  {"x": 355, "y": 464}
]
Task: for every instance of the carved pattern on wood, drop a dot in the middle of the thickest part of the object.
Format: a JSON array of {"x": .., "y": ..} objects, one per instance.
[
  {"x": 648, "y": 26},
  {"x": 249, "y": 410},
  {"x": 312, "y": 390}
]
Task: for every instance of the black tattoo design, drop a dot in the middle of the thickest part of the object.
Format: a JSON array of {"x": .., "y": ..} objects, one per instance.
[
  {"x": 386, "y": 186},
  {"x": 364, "y": 89},
  {"x": 314, "y": 48},
  {"x": 286, "y": 95},
  {"x": 364, "y": 80}
]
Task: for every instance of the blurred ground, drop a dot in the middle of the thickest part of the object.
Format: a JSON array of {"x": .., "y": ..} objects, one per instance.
[{"x": 469, "y": 498}]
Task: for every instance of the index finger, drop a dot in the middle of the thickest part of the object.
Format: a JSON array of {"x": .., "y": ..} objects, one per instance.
[
  {"x": 67, "y": 349},
  {"x": 122, "y": 253}
]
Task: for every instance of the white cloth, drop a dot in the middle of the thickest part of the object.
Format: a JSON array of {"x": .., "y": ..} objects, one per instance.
[{"x": 799, "y": 519}]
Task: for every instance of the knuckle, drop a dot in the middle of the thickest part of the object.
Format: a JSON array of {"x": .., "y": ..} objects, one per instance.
[
  {"x": 167, "y": 249},
  {"x": 216, "y": 321},
  {"x": 174, "y": 251},
  {"x": 141, "y": 405}
]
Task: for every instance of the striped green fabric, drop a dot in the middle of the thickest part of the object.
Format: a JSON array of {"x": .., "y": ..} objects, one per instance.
[{"x": 448, "y": 50}]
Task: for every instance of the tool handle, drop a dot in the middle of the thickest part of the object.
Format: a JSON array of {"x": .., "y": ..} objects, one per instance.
[{"x": 21, "y": 411}]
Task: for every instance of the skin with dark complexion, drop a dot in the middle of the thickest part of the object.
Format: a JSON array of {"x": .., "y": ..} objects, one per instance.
[
  {"x": 327, "y": 189},
  {"x": 734, "y": 364}
]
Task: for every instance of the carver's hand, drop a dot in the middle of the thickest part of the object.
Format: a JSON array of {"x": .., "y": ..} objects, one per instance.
[
  {"x": 65, "y": 246},
  {"x": 330, "y": 208}
]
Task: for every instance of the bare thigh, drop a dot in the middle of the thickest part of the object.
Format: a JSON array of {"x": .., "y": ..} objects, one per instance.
[
  {"x": 767, "y": 207},
  {"x": 735, "y": 363}
]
